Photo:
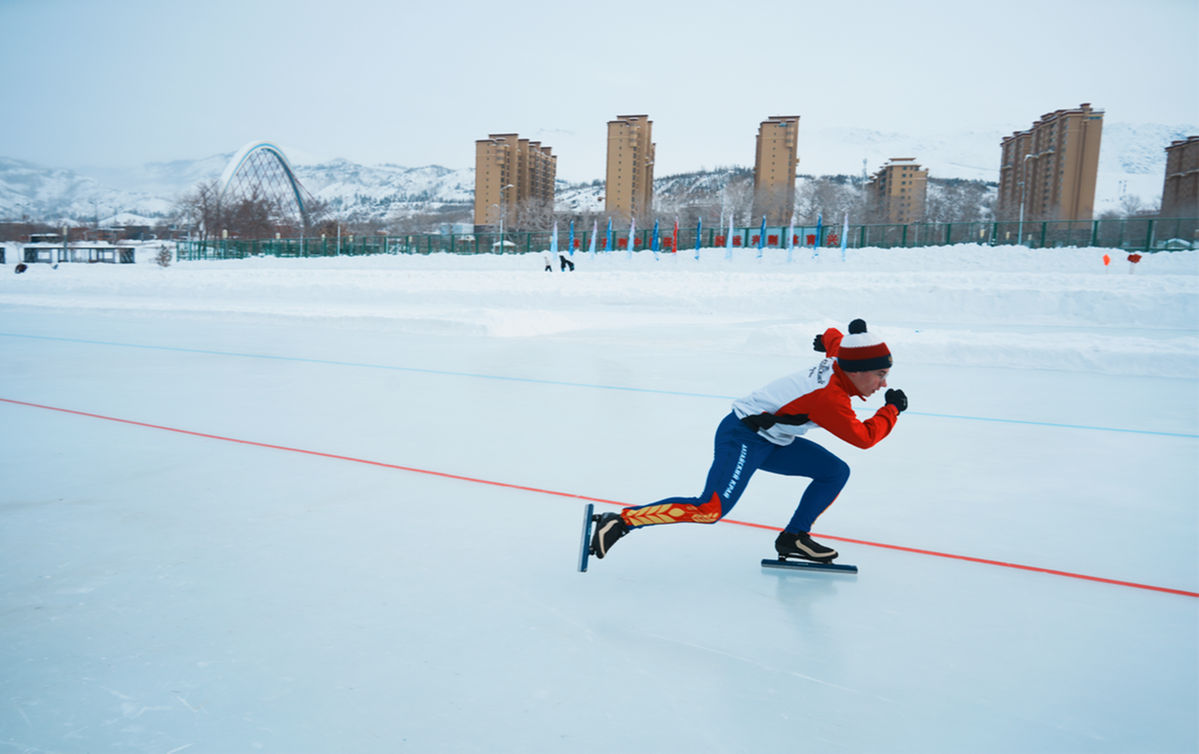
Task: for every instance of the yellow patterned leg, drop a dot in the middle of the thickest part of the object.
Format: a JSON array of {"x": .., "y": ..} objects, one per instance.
[{"x": 674, "y": 513}]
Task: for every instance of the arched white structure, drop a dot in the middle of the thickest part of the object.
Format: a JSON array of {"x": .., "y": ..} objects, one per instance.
[{"x": 262, "y": 165}]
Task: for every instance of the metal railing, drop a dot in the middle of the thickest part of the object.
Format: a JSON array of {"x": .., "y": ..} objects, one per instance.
[{"x": 1127, "y": 234}]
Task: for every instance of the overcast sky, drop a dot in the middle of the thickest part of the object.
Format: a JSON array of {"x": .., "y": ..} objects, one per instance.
[{"x": 119, "y": 83}]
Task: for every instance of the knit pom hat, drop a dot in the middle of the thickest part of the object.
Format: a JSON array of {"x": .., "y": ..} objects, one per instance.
[{"x": 861, "y": 351}]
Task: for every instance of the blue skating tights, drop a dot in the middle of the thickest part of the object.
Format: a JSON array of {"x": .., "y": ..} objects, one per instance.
[{"x": 739, "y": 452}]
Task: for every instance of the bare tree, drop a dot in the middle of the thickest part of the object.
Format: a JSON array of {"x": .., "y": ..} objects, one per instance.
[
  {"x": 200, "y": 210},
  {"x": 1130, "y": 204},
  {"x": 737, "y": 200},
  {"x": 830, "y": 197},
  {"x": 536, "y": 215},
  {"x": 317, "y": 214},
  {"x": 405, "y": 221},
  {"x": 777, "y": 204},
  {"x": 955, "y": 200},
  {"x": 253, "y": 216}
]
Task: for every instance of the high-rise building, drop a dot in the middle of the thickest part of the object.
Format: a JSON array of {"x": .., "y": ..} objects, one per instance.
[
  {"x": 629, "y": 180},
  {"x": 1180, "y": 194},
  {"x": 1049, "y": 171},
  {"x": 896, "y": 193},
  {"x": 510, "y": 170},
  {"x": 776, "y": 159}
]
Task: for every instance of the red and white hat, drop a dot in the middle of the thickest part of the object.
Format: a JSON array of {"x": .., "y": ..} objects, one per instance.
[{"x": 863, "y": 352}]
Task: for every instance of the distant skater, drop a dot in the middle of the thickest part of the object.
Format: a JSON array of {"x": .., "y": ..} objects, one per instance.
[
  {"x": 549, "y": 262},
  {"x": 765, "y": 431},
  {"x": 566, "y": 263}
]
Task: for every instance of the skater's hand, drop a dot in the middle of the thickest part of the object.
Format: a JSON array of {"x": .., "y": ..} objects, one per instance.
[
  {"x": 818, "y": 343},
  {"x": 897, "y": 399}
]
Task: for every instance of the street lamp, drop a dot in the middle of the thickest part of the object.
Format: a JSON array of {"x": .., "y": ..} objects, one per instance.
[
  {"x": 1023, "y": 180},
  {"x": 503, "y": 211}
]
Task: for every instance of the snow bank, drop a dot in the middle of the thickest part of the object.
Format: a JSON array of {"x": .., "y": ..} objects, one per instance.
[{"x": 1058, "y": 309}]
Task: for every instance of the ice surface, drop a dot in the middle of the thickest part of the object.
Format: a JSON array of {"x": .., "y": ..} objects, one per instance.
[{"x": 166, "y": 591}]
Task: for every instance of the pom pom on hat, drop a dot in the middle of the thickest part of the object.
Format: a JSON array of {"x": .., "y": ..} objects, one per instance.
[{"x": 862, "y": 351}]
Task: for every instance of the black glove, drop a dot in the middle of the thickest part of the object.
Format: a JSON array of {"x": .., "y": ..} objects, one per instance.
[
  {"x": 897, "y": 399},
  {"x": 857, "y": 326},
  {"x": 818, "y": 343}
]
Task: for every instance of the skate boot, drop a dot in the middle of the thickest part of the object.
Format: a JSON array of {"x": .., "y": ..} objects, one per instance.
[
  {"x": 609, "y": 528},
  {"x": 801, "y": 545}
]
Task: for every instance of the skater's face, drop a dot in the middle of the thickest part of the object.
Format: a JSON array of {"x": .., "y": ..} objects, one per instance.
[{"x": 868, "y": 383}]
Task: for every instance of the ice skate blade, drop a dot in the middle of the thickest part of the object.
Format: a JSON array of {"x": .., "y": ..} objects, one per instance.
[
  {"x": 808, "y": 565},
  {"x": 585, "y": 551}
]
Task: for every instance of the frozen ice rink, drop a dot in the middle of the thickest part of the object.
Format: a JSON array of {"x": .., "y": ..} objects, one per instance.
[{"x": 315, "y": 506}]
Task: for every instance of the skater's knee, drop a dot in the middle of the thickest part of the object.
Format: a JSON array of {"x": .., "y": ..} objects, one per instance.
[{"x": 839, "y": 471}]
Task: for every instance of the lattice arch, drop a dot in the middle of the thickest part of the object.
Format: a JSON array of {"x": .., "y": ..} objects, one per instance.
[{"x": 261, "y": 170}]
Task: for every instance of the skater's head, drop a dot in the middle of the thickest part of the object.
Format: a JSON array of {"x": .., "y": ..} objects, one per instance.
[
  {"x": 865, "y": 358},
  {"x": 863, "y": 352}
]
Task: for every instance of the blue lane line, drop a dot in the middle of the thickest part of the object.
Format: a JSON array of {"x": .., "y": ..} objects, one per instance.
[
  {"x": 368, "y": 366},
  {"x": 561, "y": 383},
  {"x": 1052, "y": 424}
]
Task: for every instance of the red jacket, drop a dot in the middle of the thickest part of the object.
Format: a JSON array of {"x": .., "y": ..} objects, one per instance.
[{"x": 822, "y": 394}]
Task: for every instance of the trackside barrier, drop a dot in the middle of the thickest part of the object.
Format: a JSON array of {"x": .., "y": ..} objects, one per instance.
[{"x": 1142, "y": 235}]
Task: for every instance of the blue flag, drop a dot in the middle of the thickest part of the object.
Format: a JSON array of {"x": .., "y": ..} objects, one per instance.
[
  {"x": 570, "y": 244},
  {"x": 816, "y": 248},
  {"x": 762, "y": 237},
  {"x": 608, "y": 241},
  {"x": 653, "y": 244},
  {"x": 844, "y": 236},
  {"x": 790, "y": 237},
  {"x": 699, "y": 230}
]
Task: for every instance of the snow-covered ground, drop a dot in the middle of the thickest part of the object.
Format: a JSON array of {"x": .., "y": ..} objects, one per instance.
[{"x": 334, "y": 505}]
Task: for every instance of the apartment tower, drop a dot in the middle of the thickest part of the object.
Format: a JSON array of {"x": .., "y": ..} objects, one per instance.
[
  {"x": 1180, "y": 193},
  {"x": 1050, "y": 169},
  {"x": 629, "y": 181},
  {"x": 510, "y": 170},
  {"x": 896, "y": 193},
  {"x": 774, "y": 168}
]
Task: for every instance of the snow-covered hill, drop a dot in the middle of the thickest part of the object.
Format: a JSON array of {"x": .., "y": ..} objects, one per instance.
[
  {"x": 375, "y": 190},
  {"x": 52, "y": 195},
  {"x": 1132, "y": 162}
]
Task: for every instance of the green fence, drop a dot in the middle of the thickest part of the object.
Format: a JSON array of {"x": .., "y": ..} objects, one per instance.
[{"x": 1129, "y": 234}]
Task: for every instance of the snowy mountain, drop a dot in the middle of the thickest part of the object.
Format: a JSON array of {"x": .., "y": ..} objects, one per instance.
[
  {"x": 374, "y": 191},
  {"x": 52, "y": 195},
  {"x": 1132, "y": 161}
]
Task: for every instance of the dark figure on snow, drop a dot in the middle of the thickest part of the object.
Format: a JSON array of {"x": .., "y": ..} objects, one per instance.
[
  {"x": 765, "y": 431},
  {"x": 566, "y": 263}
]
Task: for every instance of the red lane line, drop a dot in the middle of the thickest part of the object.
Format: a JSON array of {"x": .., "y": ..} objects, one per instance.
[
  {"x": 458, "y": 477},
  {"x": 312, "y": 452}
]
